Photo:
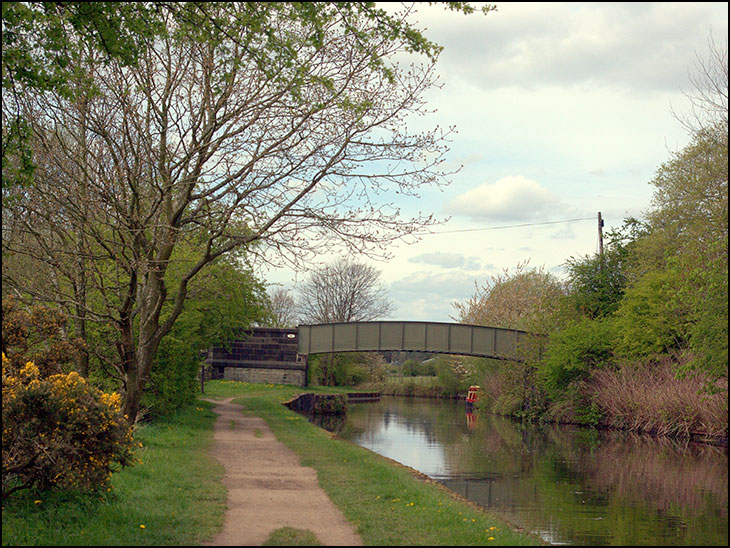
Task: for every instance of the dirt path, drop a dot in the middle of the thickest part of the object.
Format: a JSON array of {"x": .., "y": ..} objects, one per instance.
[{"x": 267, "y": 486}]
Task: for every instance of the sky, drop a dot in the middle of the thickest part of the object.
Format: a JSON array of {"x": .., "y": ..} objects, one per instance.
[{"x": 561, "y": 110}]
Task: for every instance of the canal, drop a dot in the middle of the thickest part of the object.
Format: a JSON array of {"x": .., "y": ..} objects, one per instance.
[{"x": 569, "y": 485}]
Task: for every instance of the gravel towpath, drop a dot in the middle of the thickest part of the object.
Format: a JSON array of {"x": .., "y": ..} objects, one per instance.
[{"x": 267, "y": 486}]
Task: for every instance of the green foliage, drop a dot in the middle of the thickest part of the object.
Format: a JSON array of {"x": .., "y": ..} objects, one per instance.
[
  {"x": 173, "y": 380},
  {"x": 415, "y": 368},
  {"x": 649, "y": 319},
  {"x": 409, "y": 368},
  {"x": 690, "y": 240},
  {"x": 709, "y": 329},
  {"x": 344, "y": 369},
  {"x": 597, "y": 282},
  {"x": 451, "y": 374},
  {"x": 223, "y": 300},
  {"x": 575, "y": 351}
]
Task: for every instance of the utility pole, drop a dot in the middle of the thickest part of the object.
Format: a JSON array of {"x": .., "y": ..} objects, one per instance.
[{"x": 600, "y": 235}]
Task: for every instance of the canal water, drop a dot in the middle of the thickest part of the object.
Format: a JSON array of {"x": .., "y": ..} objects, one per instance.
[{"x": 569, "y": 485}]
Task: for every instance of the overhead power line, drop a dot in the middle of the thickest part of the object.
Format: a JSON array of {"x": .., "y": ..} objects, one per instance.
[{"x": 509, "y": 226}]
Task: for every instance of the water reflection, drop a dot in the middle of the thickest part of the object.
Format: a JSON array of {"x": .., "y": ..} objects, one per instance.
[{"x": 570, "y": 485}]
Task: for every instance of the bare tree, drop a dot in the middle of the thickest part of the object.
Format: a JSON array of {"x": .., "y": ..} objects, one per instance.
[
  {"x": 344, "y": 291},
  {"x": 204, "y": 143},
  {"x": 283, "y": 307},
  {"x": 708, "y": 96}
]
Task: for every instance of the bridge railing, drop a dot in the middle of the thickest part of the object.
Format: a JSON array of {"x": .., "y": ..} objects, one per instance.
[{"x": 441, "y": 338}]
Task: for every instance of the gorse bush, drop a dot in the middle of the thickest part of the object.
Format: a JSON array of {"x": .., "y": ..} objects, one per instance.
[
  {"x": 59, "y": 432},
  {"x": 37, "y": 335}
]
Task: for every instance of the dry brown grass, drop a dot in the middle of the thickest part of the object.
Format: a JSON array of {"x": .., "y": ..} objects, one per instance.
[{"x": 650, "y": 398}]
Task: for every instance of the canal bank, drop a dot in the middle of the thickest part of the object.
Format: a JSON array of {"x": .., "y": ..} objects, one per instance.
[
  {"x": 673, "y": 419},
  {"x": 387, "y": 503},
  {"x": 567, "y": 484}
]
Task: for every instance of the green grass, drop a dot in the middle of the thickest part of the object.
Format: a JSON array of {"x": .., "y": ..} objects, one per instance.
[
  {"x": 389, "y": 504},
  {"x": 289, "y": 536},
  {"x": 173, "y": 497}
]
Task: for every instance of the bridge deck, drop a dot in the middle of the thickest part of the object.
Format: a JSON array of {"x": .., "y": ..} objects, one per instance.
[{"x": 442, "y": 338}]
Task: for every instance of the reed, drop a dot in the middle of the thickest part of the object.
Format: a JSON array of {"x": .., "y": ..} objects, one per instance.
[{"x": 650, "y": 398}]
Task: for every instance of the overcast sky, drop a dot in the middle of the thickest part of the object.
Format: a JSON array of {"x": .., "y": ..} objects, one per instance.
[{"x": 562, "y": 110}]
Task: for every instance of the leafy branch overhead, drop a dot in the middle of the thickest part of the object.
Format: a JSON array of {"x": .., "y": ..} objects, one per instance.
[{"x": 275, "y": 128}]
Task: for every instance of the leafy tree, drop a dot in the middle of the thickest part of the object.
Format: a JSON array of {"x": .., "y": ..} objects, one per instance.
[
  {"x": 224, "y": 300},
  {"x": 596, "y": 283},
  {"x": 573, "y": 352},
  {"x": 42, "y": 41},
  {"x": 649, "y": 320},
  {"x": 231, "y": 124},
  {"x": 525, "y": 299},
  {"x": 690, "y": 231}
]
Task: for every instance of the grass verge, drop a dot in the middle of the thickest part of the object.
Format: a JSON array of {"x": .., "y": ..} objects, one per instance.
[
  {"x": 173, "y": 497},
  {"x": 389, "y": 504},
  {"x": 289, "y": 536}
]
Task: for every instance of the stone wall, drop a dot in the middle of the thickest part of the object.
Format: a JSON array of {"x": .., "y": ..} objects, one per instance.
[
  {"x": 261, "y": 355},
  {"x": 265, "y": 376}
]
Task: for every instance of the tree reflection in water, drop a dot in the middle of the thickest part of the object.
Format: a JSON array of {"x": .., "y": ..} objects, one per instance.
[{"x": 568, "y": 484}]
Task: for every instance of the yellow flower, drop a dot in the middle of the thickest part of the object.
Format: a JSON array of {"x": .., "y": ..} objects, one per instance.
[
  {"x": 141, "y": 526},
  {"x": 37, "y": 501},
  {"x": 490, "y": 538}
]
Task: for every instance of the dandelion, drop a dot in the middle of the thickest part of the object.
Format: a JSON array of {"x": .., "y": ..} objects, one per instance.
[
  {"x": 490, "y": 538},
  {"x": 141, "y": 526},
  {"x": 37, "y": 501}
]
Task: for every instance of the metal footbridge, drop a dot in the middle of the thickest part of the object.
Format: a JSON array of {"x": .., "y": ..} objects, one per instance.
[{"x": 435, "y": 337}]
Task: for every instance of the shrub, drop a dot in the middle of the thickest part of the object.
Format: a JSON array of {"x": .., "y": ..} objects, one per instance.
[
  {"x": 37, "y": 335},
  {"x": 59, "y": 432},
  {"x": 173, "y": 379},
  {"x": 649, "y": 319},
  {"x": 574, "y": 352}
]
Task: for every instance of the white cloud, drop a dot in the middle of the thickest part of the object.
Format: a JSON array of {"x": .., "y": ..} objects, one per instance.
[
  {"x": 561, "y": 110},
  {"x": 447, "y": 260},
  {"x": 630, "y": 45},
  {"x": 515, "y": 198},
  {"x": 430, "y": 295}
]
